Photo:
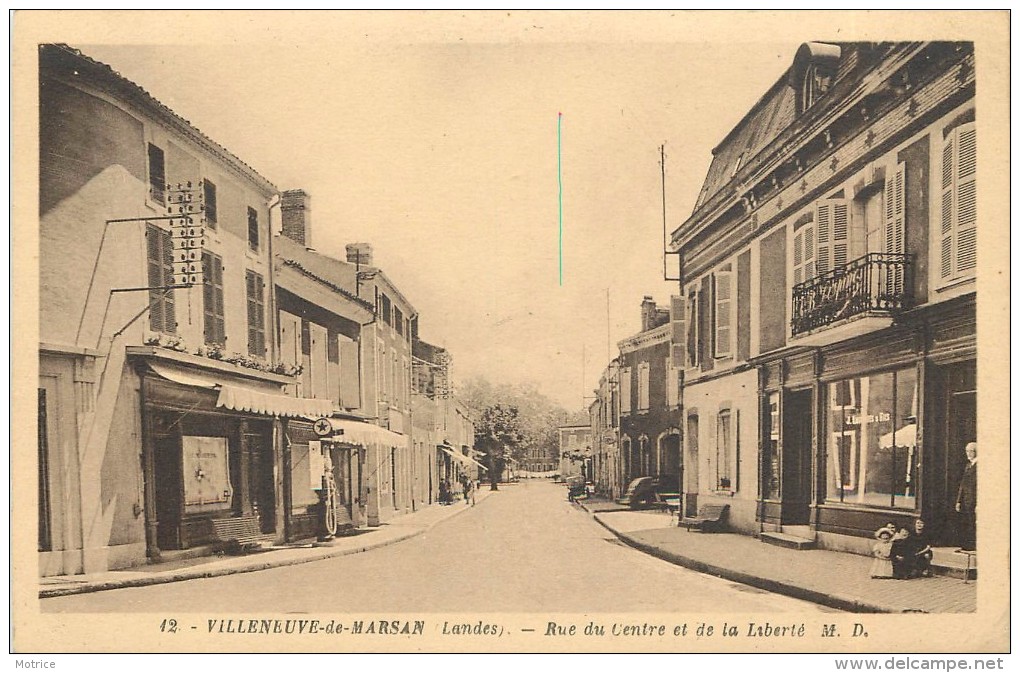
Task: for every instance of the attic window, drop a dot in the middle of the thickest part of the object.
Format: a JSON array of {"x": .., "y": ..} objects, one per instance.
[
  {"x": 736, "y": 166},
  {"x": 813, "y": 72}
]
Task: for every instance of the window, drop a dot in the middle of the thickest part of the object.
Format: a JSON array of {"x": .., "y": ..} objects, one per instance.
[
  {"x": 725, "y": 451},
  {"x": 625, "y": 385},
  {"x": 212, "y": 299},
  {"x": 398, "y": 320},
  {"x": 256, "y": 314},
  {"x": 958, "y": 236},
  {"x": 253, "y": 229},
  {"x": 804, "y": 254},
  {"x": 894, "y": 228},
  {"x": 772, "y": 460},
  {"x": 209, "y": 197},
  {"x": 816, "y": 83},
  {"x": 386, "y": 310},
  {"x": 643, "y": 386},
  {"x": 157, "y": 175},
  {"x": 673, "y": 387},
  {"x": 832, "y": 237},
  {"x": 871, "y": 440},
  {"x": 693, "y": 332},
  {"x": 160, "y": 264},
  {"x": 723, "y": 314}
]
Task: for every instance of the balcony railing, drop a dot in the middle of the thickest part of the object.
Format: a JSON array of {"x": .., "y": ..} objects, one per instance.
[{"x": 876, "y": 282}]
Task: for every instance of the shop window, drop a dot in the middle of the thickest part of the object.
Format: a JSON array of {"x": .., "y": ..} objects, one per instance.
[
  {"x": 643, "y": 383},
  {"x": 160, "y": 265},
  {"x": 726, "y": 451},
  {"x": 871, "y": 440},
  {"x": 157, "y": 175},
  {"x": 958, "y": 232},
  {"x": 772, "y": 460},
  {"x": 256, "y": 314},
  {"x": 212, "y": 299}
]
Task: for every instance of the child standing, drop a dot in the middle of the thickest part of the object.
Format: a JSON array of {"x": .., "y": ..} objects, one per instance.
[{"x": 881, "y": 567}]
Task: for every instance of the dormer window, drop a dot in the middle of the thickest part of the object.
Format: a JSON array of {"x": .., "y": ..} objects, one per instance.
[{"x": 813, "y": 72}]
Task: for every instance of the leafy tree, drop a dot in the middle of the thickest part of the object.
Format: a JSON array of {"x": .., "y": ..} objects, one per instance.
[{"x": 498, "y": 431}]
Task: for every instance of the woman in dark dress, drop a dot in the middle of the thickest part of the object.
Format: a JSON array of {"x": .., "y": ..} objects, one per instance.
[{"x": 921, "y": 552}]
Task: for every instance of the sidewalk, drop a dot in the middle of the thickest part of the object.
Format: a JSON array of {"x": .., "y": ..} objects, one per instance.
[
  {"x": 835, "y": 579},
  {"x": 400, "y": 527}
]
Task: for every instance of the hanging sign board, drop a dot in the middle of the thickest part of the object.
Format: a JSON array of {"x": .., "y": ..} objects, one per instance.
[{"x": 206, "y": 473}]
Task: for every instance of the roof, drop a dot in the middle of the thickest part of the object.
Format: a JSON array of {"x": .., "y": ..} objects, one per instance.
[
  {"x": 62, "y": 57},
  {"x": 333, "y": 273},
  {"x": 774, "y": 112}
]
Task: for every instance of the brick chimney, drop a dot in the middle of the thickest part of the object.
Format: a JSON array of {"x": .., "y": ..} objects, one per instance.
[
  {"x": 295, "y": 211},
  {"x": 647, "y": 313},
  {"x": 359, "y": 253}
]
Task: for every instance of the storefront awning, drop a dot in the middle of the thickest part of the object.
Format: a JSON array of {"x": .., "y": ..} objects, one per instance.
[
  {"x": 247, "y": 400},
  {"x": 461, "y": 458},
  {"x": 365, "y": 434}
]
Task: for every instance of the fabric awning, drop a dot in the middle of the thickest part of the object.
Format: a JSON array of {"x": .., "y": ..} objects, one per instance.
[
  {"x": 248, "y": 400},
  {"x": 365, "y": 434},
  {"x": 461, "y": 458}
]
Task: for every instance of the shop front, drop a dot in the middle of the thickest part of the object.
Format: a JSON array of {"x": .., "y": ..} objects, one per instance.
[
  {"x": 211, "y": 450},
  {"x": 869, "y": 431}
]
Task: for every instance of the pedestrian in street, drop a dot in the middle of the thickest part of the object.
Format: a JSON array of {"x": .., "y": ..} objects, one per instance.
[
  {"x": 901, "y": 552},
  {"x": 881, "y": 567},
  {"x": 920, "y": 551},
  {"x": 444, "y": 492},
  {"x": 465, "y": 485},
  {"x": 966, "y": 500}
]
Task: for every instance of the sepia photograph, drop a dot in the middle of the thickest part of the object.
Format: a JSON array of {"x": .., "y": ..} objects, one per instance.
[{"x": 511, "y": 331}]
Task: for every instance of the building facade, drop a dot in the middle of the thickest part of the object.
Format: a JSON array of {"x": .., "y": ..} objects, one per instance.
[
  {"x": 576, "y": 453},
  {"x": 649, "y": 399},
  {"x": 161, "y": 395},
  {"x": 604, "y": 414},
  {"x": 828, "y": 296}
]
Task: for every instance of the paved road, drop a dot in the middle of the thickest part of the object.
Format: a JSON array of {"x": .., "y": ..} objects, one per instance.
[{"x": 524, "y": 549}]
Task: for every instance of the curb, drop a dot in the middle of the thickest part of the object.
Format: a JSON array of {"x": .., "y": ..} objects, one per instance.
[
  {"x": 846, "y": 604},
  {"x": 53, "y": 592}
]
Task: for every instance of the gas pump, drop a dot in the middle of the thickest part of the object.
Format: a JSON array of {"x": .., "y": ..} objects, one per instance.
[{"x": 328, "y": 493}]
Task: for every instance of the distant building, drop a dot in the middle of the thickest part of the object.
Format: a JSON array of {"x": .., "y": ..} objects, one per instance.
[
  {"x": 828, "y": 273},
  {"x": 649, "y": 401},
  {"x": 575, "y": 449}
]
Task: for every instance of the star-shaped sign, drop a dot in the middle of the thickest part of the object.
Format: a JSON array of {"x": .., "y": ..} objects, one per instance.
[{"x": 323, "y": 428}]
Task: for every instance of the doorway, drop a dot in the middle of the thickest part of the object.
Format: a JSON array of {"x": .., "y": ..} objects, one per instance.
[
  {"x": 796, "y": 457},
  {"x": 956, "y": 419}
]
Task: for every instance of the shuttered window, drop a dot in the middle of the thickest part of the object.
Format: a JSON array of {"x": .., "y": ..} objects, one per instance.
[
  {"x": 832, "y": 237},
  {"x": 723, "y": 311},
  {"x": 804, "y": 254},
  {"x": 693, "y": 337},
  {"x": 894, "y": 212},
  {"x": 625, "y": 391},
  {"x": 256, "y": 314},
  {"x": 253, "y": 229},
  {"x": 160, "y": 264},
  {"x": 209, "y": 195},
  {"x": 643, "y": 384},
  {"x": 157, "y": 175},
  {"x": 958, "y": 232},
  {"x": 212, "y": 299}
]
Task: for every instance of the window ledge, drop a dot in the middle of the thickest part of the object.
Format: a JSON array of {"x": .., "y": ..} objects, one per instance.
[{"x": 954, "y": 284}]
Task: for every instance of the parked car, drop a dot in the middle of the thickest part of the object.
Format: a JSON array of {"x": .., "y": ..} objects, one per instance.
[{"x": 647, "y": 491}]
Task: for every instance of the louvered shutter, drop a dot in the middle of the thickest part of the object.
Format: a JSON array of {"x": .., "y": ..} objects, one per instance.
[
  {"x": 221, "y": 332},
  {"x": 692, "y": 328},
  {"x": 212, "y": 299},
  {"x": 895, "y": 227},
  {"x": 804, "y": 253},
  {"x": 958, "y": 232},
  {"x": 154, "y": 259},
  {"x": 723, "y": 303},
  {"x": 832, "y": 231},
  {"x": 678, "y": 342},
  {"x": 966, "y": 199}
]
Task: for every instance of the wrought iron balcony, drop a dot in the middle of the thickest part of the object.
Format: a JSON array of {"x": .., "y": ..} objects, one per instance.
[{"x": 874, "y": 283}]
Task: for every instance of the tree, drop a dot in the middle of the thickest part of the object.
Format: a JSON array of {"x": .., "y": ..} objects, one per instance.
[{"x": 498, "y": 431}]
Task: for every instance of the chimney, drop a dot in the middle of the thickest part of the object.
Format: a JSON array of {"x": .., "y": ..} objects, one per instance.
[
  {"x": 295, "y": 211},
  {"x": 647, "y": 313},
  {"x": 359, "y": 253}
]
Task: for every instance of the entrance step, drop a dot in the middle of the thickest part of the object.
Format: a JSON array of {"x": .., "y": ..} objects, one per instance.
[
  {"x": 787, "y": 540},
  {"x": 951, "y": 563}
]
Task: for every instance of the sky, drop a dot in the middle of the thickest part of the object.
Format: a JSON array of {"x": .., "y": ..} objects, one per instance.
[{"x": 442, "y": 148}]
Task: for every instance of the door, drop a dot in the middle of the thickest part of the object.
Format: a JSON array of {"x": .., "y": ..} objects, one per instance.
[
  {"x": 796, "y": 457},
  {"x": 258, "y": 449},
  {"x": 167, "y": 480},
  {"x": 691, "y": 440},
  {"x": 958, "y": 416}
]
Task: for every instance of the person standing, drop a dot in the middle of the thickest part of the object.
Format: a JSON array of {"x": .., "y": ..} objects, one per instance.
[{"x": 966, "y": 500}]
